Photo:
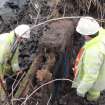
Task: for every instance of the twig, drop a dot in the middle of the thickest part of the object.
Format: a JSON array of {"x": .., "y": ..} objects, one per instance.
[
  {"x": 49, "y": 99},
  {"x": 89, "y": 4},
  {"x": 18, "y": 82},
  {"x": 27, "y": 98},
  {"x": 72, "y": 17},
  {"x": 35, "y": 5},
  {"x": 55, "y": 19},
  {"x": 19, "y": 99},
  {"x": 42, "y": 23},
  {"x": 38, "y": 16},
  {"x": 37, "y": 103},
  {"x": 13, "y": 88},
  {"x": 64, "y": 11}
]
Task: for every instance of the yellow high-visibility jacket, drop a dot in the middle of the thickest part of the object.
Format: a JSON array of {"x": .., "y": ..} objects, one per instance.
[
  {"x": 91, "y": 67},
  {"x": 6, "y": 41}
]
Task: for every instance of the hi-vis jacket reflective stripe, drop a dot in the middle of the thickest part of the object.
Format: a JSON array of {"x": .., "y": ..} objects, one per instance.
[
  {"x": 79, "y": 56},
  {"x": 91, "y": 67},
  {"x": 6, "y": 41}
]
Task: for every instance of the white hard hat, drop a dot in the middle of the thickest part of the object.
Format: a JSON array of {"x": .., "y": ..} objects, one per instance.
[
  {"x": 23, "y": 31},
  {"x": 87, "y": 26}
]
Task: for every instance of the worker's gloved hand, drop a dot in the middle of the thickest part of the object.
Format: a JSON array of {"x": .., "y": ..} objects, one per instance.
[
  {"x": 93, "y": 95},
  {"x": 91, "y": 98},
  {"x": 43, "y": 75},
  {"x": 80, "y": 93}
]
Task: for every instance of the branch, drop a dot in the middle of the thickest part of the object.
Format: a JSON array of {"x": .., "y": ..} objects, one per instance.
[
  {"x": 49, "y": 99},
  {"x": 27, "y": 98}
]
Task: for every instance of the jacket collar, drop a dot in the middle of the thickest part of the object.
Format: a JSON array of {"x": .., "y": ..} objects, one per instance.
[{"x": 97, "y": 39}]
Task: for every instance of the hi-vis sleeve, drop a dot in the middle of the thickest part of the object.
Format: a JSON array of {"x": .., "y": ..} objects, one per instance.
[{"x": 92, "y": 62}]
